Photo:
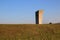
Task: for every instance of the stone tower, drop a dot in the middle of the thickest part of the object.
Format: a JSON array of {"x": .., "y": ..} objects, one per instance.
[{"x": 39, "y": 16}]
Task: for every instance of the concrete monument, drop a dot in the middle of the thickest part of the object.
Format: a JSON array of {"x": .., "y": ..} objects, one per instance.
[{"x": 39, "y": 16}]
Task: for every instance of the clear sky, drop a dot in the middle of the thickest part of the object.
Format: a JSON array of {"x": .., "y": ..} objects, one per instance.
[{"x": 23, "y": 11}]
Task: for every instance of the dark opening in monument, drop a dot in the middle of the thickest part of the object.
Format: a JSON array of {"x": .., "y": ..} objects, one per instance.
[{"x": 37, "y": 17}]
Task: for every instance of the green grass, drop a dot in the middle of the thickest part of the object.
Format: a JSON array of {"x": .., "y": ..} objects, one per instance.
[{"x": 29, "y": 32}]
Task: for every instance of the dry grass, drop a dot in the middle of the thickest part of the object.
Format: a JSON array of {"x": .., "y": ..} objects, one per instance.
[{"x": 29, "y": 32}]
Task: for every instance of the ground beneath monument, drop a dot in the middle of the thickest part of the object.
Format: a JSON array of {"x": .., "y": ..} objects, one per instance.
[{"x": 29, "y": 32}]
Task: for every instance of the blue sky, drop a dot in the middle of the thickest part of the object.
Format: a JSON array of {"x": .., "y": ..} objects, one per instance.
[{"x": 23, "y": 11}]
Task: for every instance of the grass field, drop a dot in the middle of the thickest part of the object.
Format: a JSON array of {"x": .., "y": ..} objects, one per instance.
[{"x": 29, "y": 32}]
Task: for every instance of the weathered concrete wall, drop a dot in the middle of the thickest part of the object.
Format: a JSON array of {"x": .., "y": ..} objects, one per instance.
[{"x": 40, "y": 16}]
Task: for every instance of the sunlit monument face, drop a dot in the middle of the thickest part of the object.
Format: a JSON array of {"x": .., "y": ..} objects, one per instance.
[{"x": 39, "y": 16}]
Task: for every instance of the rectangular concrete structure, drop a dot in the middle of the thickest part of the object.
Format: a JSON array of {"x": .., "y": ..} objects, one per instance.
[{"x": 39, "y": 16}]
